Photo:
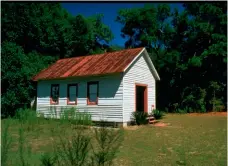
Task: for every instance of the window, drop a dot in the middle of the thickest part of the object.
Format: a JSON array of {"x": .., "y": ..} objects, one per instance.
[
  {"x": 55, "y": 94},
  {"x": 72, "y": 94},
  {"x": 92, "y": 93}
]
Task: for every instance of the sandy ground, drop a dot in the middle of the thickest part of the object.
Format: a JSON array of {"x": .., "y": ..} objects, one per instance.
[
  {"x": 209, "y": 114},
  {"x": 157, "y": 124}
]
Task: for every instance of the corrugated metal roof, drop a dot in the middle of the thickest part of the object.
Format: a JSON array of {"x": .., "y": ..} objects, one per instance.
[{"x": 99, "y": 64}]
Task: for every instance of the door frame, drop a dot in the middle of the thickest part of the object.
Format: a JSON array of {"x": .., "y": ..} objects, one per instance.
[{"x": 145, "y": 96}]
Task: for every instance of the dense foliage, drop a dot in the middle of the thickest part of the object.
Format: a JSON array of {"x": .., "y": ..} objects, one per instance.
[
  {"x": 34, "y": 35},
  {"x": 189, "y": 49}
]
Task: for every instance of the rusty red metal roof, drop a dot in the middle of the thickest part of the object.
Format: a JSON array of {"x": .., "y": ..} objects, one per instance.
[{"x": 99, "y": 64}]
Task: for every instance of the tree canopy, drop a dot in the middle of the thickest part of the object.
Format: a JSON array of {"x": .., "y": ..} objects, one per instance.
[
  {"x": 34, "y": 35},
  {"x": 189, "y": 49}
]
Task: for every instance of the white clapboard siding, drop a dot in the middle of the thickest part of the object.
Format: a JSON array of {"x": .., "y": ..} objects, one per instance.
[
  {"x": 110, "y": 102},
  {"x": 98, "y": 113},
  {"x": 139, "y": 72}
]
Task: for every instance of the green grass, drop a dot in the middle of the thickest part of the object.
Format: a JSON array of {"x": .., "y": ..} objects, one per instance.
[{"x": 188, "y": 140}]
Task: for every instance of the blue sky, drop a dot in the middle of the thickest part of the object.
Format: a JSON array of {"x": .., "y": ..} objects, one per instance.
[{"x": 110, "y": 12}]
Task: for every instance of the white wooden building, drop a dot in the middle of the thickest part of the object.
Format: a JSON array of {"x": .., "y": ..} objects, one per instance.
[{"x": 109, "y": 86}]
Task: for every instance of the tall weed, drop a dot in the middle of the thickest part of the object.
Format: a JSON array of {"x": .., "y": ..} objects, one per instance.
[
  {"x": 48, "y": 160},
  {"x": 73, "y": 151},
  {"x": 80, "y": 149},
  {"x": 5, "y": 144},
  {"x": 71, "y": 115},
  {"x": 108, "y": 142},
  {"x": 28, "y": 118},
  {"x": 22, "y": 149}
]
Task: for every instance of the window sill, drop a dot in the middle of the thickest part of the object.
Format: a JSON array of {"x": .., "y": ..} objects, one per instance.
[
  {"x": 54, "y": 103},
  {"x": 92, "y": 103}
]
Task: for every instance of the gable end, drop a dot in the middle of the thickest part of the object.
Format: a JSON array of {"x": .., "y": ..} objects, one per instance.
[{"x": 148, "y": 61}]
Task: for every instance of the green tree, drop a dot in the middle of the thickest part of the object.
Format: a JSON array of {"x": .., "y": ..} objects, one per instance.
[
  {"x": 209, "y": 41},
  {"x": 34, "y": 35},
  {"x": 87, "y": 33},
  {"x": 43, "y": 27},
  {"x": 188, "y": 49},
  {"x": 17, "y": 70}
]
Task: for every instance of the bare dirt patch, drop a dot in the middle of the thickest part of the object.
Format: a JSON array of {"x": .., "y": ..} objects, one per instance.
[
  {"x": 160, "y": 124},
  {"x": 157, "y": 124},
  {"x": 209, "y": 114}
]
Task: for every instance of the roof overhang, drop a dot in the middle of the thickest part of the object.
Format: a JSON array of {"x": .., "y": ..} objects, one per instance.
[{"x": 79, "y": 77}]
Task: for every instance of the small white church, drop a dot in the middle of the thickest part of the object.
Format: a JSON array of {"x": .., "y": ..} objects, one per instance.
[{"x": 109, "y": 86}]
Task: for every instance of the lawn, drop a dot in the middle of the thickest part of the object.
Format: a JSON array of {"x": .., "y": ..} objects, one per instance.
[{"x": 186, "y": 140}]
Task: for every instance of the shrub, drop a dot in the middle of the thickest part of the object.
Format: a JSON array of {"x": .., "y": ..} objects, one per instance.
[
  {"x": 157, "y": 114},
  {"x": 182, "y": 111},
  {"x": 216, "y": 101},
  {"x": 217, "y": 105},
  {"x": 166, "y": 110},
  {"x": 140, "y": 117},
  {"x": 193, "y": 99}
]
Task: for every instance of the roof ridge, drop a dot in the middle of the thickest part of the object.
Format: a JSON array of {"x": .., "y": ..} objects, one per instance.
[{"x": 100, "y": 53}]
